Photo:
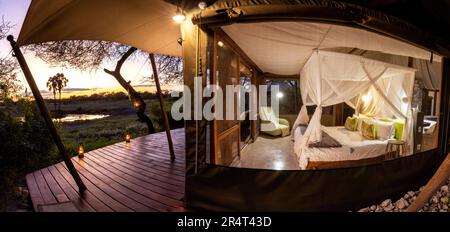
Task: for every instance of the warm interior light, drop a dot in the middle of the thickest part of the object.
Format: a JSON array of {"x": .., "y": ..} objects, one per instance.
[
  {"x": 179, "y": 17},
  {"x": 202, "y": 5},
  {"x": 280, "y": 95},
  {"x": 137, "y": 103},
  {"x": 366, "y": 98},
  {"x": 80, "y": 151},
  {"x": 127, "y": 137},
  {"x": 220, "y": 44}
]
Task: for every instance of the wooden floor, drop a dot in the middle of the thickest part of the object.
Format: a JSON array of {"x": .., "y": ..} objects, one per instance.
[{"x": 121, "y": 177}]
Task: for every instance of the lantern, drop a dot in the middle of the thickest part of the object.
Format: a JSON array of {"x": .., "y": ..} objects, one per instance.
[
  {"x": 127, "y": 137},
  {"x": 80, "y": 151},
  {"x": 137, "y": 103}
]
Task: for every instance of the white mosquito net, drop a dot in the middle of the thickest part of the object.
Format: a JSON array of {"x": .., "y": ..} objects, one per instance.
[{"x": 371, "y": 87}]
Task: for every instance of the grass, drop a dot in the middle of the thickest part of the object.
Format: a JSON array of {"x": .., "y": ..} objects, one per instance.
[{"x": 99, "y": 133}]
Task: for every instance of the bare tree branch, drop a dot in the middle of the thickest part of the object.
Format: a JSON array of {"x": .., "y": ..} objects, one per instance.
[{"x": 140, "y": 104}]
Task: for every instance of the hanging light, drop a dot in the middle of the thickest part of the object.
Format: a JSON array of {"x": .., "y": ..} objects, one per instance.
[
  {"x": 179, "y": 17},
  {"x": 202, "y": 5},
  {"x": 366, "y": 98},
  {"x": 280, "y": 95},
  {"x": 220, "y": 44},
  {"x": 127, "y": 137},
  {"x": 80, "y": 151}
]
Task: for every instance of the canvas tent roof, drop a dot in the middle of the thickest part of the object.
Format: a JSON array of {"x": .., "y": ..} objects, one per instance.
[
  {"x": 144, "y": 24},
  {"x": 284, "y": 47}
]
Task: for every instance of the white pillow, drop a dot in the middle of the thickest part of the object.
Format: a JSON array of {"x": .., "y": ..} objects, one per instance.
[{"x": 385, "y": 130}]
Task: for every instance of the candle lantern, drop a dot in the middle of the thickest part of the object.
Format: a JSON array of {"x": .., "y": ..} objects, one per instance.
[
  {"x": 127, "y": 137},
  {"x": 80, "y": 151}
]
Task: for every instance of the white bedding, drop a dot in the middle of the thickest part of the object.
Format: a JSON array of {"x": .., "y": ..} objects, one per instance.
[{"x": 354, "y": 147}]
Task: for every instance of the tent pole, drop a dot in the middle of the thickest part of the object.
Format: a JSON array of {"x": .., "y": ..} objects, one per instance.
[
  {"x": 45, "y": 113},
  {"x": 163, "y": 107}
]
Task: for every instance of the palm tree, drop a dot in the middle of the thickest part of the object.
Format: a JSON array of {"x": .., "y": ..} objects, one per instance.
[
  {"x": 52, "y": 86},
  {"x": 56, "y": 84},
  {"x": 61, "y": 81}
]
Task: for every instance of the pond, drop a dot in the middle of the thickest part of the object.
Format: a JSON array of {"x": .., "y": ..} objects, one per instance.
[{"x": 81, "y": 117}]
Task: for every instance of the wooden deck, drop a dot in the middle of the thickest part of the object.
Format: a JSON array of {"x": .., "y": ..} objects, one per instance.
[{"x": 121, "y": 177}]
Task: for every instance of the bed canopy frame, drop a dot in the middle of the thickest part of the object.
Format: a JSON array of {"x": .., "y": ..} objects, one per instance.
[
  {"x": 147, "y": 25},
  {"x": 330, "y": 78}
]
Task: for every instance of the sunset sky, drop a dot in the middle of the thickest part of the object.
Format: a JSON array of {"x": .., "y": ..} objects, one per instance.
[{"x": 14, "y": 11}]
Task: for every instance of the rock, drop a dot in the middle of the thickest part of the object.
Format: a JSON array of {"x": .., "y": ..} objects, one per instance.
[
  {"x": 444, "y": 200},
  {"x": 401, "y": 204},
  {"x": 445, "y": 207},
  {"x": 444, "y": 189},
  {"x": 25, "y": 194},
  {"x": 18, "y": 192},
  {"x": 22, "y": 206},
  {"x": 406, "y": 197},
  {"x": 434, "y": 199},
  {"x": 373, "y": 208},
  {"x": 385, "y": 203},
  {"x": 411, "y": 193},
  {"x": 364, "y": 210},
  {"x": 379, "y": 209},
  {"x": 389, "y": 208}
]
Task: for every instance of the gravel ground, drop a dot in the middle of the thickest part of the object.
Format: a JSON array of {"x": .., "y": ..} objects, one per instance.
[{"x": 438, "y": 203}]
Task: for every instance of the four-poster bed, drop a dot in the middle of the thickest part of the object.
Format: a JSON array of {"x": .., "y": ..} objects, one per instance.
[{"x": 275, "y": 39}]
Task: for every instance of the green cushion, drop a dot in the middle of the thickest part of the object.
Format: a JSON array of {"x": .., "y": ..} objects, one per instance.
[
  {"x": 351, "y": 123},
  {"x": 399, "y": 130},
  {"x": 368, "y": 131}
]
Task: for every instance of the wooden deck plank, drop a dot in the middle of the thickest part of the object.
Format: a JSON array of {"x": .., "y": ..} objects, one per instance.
[
  {"x": 137, "y": 178},
  {"x": 71, "y": 193},
  {"x": 95, "y": 191},
  {"x": 54, "y": 186},
  {"x": 154, "y": 154},
  {"x": 149, "y": 162},
  {"x": 134, "y": 177},
  {"x": 136, "y": 192},
  {"x": 88, "y": 196},
  {"x": 34, "y": 191},
  {"x": 46, "y": 193},
  {"x": 147, "y": 170},
  {"x": 112, "y": 189}
]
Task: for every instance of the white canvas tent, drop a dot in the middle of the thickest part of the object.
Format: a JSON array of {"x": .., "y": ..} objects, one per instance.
[
  {"x": 284, "y": 47},
  {"x": 330, "y": 78},
  {"x": 144, "y": 24}
]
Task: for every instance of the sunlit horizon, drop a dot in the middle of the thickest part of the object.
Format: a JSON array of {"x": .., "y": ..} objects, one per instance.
[{"x": 135, "y": 70}]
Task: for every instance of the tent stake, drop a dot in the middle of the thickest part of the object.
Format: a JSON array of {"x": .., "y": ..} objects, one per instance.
[
  {"x": 163, "y": 107},
  {"x": 45, "y": 113}
]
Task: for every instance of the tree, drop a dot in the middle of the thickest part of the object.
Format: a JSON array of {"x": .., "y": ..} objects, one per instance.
[
  {"x": 52, "y": 86},
  {"x": 9, "y": 85},
  {"x": 56, "y": 84},
  {"x": 91, "y": 55}
]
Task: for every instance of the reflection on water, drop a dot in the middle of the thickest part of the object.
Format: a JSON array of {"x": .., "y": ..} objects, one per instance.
[{"x": 81, "y": 117}]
